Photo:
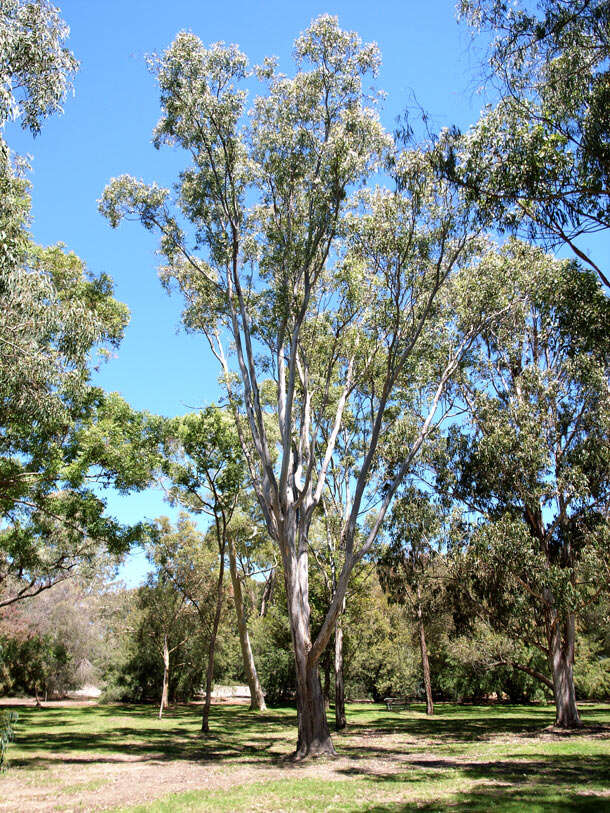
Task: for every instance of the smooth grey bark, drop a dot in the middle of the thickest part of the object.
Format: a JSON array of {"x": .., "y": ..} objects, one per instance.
[
  {"x": 163, "y": 704},
  {"x": 205, "y": 717},
  {"x": 340, "y": 720},
  {"x": 257, "y": 698},
  {"x": 561, "y": 636},
  {"x": 313, "y": 732},
  {"x": 424, "y": 655}
]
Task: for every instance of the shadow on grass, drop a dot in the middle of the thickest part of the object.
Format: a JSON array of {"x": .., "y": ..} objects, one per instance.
[
  {"x": 463, "y": 725},
  {"x": 538, "y": 768},
  {"x": 502, "y": 800},
  {"x": 120, "y": 733},
  {"x": 84, "y": 736},
  {"x": 539, "y": 783}
]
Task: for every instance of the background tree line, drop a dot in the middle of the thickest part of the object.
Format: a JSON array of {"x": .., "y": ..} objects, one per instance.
[{"x": 415, "y": 425}]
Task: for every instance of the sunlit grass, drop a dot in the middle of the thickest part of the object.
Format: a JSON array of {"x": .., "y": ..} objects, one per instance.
[{"x": 464, "y": 758}]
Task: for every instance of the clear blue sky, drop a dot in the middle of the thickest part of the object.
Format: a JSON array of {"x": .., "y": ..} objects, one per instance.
[{"x": 106, "y": 130}]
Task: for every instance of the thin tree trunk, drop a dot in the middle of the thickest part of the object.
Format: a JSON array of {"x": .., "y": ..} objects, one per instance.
[
  {"x": 326, "y": 686},
  {"x": 340, "y": 721},
  {"x": 561, "y": 660},
  {"x": 164, "y": 691},
  {"x": 424, "y": 656},
  {"x": 257, "y": 699},
  {"x": 205, "y": 724},
  {"x": 267, "y": 593}
]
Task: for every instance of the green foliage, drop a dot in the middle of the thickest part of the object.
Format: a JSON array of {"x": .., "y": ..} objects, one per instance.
[
  {"x": 271, "y": 645},
  {"x": 36, "y": 68},
  {"x": 177, "y": 602},
  {"x": 36, "y": 665},
  {"x": 538, "y": 159},
  {"x": 530, "y": 464},
  {"x": 8, "y": 720},
  {"x": 592, "y": 669},
  {"x": 55, "y": 319},
  {"x": 380, "y": 659}
]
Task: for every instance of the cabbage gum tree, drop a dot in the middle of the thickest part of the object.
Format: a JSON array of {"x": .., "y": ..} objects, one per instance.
[
  {"x": 411, "y": 569},
  {"x": 318, "y": 300},
  {"x": 203, "y": 460},
  {"x": 537, "y": 161},
  {"x": 532, "y": 460}
]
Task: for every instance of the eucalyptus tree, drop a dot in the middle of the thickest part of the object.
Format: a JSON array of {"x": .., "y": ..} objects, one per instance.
[
  {"x": 411, "y": 568},
  {"x": 537, "y": 161},
  {"x": 35, "y": 66},
  {"x": 325, "y": 294},
  {"x": 532, "y": 460},
  {"x": 190, "y": 567},
  {"x": 203, "y": 461},
  {"x": 165, "y": 621},
  {"x": 198, "y": 461}
]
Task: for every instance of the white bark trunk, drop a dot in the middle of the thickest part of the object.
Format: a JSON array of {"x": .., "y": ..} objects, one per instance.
[{"x": 257, "y": 699}]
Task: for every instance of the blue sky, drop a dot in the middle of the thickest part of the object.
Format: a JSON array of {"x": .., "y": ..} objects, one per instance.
[{"x": 106, "y": 131}]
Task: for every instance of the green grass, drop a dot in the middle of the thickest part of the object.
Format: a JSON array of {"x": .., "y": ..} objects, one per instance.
[{"x": 476, "y": 758}]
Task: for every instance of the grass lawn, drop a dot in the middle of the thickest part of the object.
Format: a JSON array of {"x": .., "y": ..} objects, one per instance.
[{"x": 475, "y": 758}]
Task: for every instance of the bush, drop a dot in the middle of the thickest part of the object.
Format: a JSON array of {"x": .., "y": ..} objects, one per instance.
[{"x": 7, "y": 734}]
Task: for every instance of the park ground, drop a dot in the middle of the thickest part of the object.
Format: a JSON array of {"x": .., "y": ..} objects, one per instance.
[{"x": 465, "y": 758}]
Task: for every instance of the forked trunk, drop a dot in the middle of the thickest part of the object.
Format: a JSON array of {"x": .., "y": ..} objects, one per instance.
[
  {"x": 340, "y": 721},
  {"x": 424, "y": 659},
  {"x": 561, "y": 660},
  {"x": 163, "y": 704},
  {"x": 205, "y": 717},
  {"x": 257, "y": 699}
]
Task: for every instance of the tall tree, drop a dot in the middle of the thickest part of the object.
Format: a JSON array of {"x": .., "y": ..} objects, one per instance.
[
  {"x": 538, "y": 159},
  {"x": 533, "y": 458},
  {"x": 411, "y": 569},
  {"x": 204, "y": 462},
  {"x": 54, "y": 318},
  {"x": 333, "y": 308}
]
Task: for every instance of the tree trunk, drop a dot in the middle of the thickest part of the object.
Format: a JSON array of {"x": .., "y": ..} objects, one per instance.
[
  {"x": 314, "y": 733},
  {"x": 267, "y": 593},
  {"x": 340, "y": 721},
  {"x": 326, "y": 685},
  {"x": 561, "y": 660},
  {"x": 424, "y": 657},
  {"x": 257, "y": 699},
  {"x": 164, "y": 691},
  {"x": 205, "y": 725}
]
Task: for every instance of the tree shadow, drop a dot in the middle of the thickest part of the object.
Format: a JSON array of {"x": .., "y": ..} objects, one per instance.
[
  {"x": 236, "y": 735},
  {"x": 541, "y": 782},
  {"x": 501, "y": 800},
  {"x": 456, "y": 724}
]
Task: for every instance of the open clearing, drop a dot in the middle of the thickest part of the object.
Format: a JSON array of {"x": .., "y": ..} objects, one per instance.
[{"x": 469, "y": 758}]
